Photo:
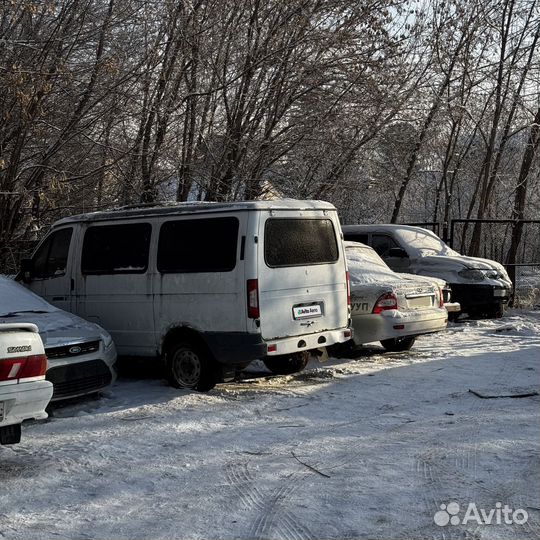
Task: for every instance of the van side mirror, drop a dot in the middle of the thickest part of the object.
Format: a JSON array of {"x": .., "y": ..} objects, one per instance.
[
  {"x": 26, "y": 273},
  {"x": 397, "y": 252}
]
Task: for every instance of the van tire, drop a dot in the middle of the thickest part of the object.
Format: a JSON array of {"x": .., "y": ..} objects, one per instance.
[
  {"x": 287, "y": 363},
  {"x": 398, "y": 344},
  {"x": 189, "y": 367}
]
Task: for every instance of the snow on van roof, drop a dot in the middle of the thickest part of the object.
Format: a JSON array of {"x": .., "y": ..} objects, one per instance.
[{"x": 175, "y": 208}]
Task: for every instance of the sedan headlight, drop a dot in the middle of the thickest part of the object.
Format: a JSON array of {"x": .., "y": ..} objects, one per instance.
[
  {"x": 472, "y": 274},
  {"x": 107, "y": 340}
]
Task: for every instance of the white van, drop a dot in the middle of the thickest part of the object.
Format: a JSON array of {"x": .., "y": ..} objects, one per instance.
[{"x": 208, "y": 287}]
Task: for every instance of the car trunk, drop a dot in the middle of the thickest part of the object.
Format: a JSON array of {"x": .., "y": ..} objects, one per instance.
[{"x": 417, "y": 296}]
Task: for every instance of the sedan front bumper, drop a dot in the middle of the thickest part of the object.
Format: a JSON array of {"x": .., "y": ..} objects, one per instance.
[
  {"x": 477, "y": 296},
  {"x": 83, "y": 373},
  {"x": 452, "y": 307}
]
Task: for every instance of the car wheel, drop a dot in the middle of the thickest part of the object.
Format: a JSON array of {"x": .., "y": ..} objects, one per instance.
[
  {"x": 398, "y": 344},
  {"x": 287, "y": 363},
  {"x": 189, "y": 367}
]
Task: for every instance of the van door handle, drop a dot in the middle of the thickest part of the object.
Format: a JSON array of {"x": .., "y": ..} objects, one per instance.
[
  {"x": 58, "y": 298},
  {"x": 72, "y": 285}
]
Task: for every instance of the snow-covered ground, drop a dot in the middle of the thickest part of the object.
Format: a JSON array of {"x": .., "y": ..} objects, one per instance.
[{"x": 369, "y": 447}]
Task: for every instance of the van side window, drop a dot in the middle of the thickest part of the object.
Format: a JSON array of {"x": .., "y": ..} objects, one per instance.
[
  {"x": 356, "y": 237},
  {"x": 383, "y": 243},
  {"x": 51, "y": 257},
  {"x": 198, "y": 245},
  {"x": 116, "y": 249},
  {"x": 299, "y": 242}
]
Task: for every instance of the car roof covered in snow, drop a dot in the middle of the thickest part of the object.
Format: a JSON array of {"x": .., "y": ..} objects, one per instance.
[
  {"x": 166, "y": 209},
  {"x": 350, "y": 243},
  {"x": 382, "y": 227}
]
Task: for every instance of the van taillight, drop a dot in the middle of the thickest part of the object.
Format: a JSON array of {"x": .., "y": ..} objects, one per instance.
[
  {"x": 23, "y": 367},
  {"x": 348, "y": 277},
  {"x": 441, "y": 298},
  {"x": 253, "y": 298},
  {"x": 385, "y": 302}
]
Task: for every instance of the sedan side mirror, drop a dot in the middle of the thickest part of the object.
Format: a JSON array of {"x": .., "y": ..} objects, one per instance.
[
  {"x": 397, "y": 252},
  {"x": 26, "y": 272}
]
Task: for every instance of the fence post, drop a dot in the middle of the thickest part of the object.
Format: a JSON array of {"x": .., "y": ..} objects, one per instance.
[
  {"x": 451, "y": 238},
  {"x": 445, "y": 232}
]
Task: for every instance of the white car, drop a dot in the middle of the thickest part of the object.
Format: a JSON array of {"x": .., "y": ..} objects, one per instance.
[
  {"x": 388, "y": 307},
  {"x": 81, "y": 354},
  {"x": 24, "y": 392}
]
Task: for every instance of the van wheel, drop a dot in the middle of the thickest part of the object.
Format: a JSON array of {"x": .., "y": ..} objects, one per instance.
[
  {"x": 287, "y": 363},
  {"x": 398, "y": 344},
  {"x": 189, "y": 367}
]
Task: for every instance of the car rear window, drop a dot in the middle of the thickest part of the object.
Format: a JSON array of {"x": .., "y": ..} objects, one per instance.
[
  {"x": 299, "y": 242},
  {"x": 198, "y": 245}
]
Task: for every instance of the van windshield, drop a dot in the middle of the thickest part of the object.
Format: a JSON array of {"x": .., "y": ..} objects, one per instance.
[{"x": 299, "y": 242}]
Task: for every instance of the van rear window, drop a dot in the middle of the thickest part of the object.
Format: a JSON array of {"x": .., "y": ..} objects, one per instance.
[
  {"x": 198, "y": 245},
  {"x": 116, "y": 249},
  {"x": 299, "y": 242}
]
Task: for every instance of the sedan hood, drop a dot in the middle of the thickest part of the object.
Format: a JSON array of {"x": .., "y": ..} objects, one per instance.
[
  {"x": 58, "y": 327},
  {"x": 457, "y": 262},
  {"x": 429, "y": 279},
  {"x": 448, "y": 267}
]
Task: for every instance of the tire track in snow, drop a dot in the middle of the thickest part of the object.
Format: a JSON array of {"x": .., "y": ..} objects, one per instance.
[
  {"x": 270, "y": 514},
  {"x": 437, "y": 470}
]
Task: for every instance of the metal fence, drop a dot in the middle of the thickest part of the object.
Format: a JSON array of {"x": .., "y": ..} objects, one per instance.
[{"x": 496, "y": 237}]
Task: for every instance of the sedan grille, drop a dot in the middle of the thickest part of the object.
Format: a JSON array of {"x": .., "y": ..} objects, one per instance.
[
  {"x": 75, "y": 349},
  {"x": 80, "y": 378}
]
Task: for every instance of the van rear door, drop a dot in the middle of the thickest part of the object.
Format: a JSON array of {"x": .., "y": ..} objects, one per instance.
[{"x": 302, "y": 273}]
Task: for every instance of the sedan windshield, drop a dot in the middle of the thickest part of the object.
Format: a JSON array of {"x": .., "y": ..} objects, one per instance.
[
  {"x": 16, "y": 299},
  {"x": 424, "y": 241}
]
